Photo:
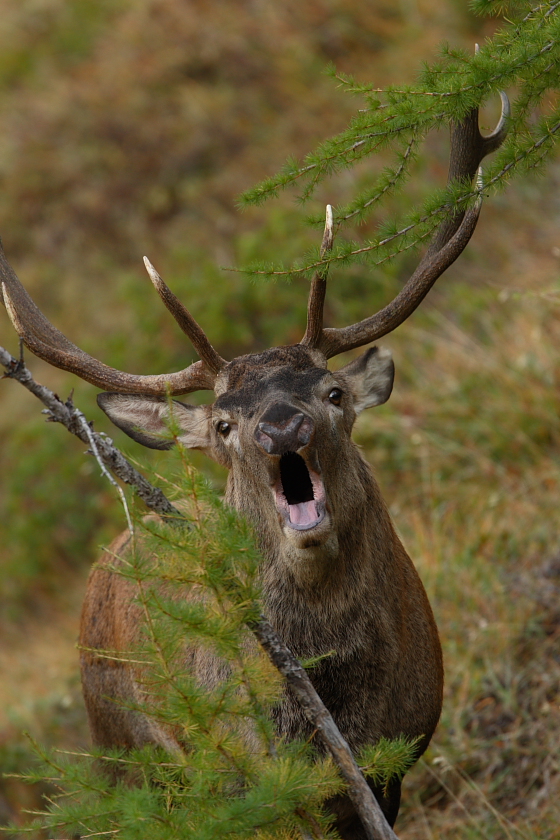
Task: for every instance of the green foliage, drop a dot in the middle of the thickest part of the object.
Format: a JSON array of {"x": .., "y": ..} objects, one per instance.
[
  {"x": 524, "y": 55},
  {"x": 171, "y": 799},
  {"x": 386, "y": 759}
]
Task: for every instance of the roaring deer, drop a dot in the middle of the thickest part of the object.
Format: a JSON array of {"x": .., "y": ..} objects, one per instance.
[{"x": 335, "y": 575}]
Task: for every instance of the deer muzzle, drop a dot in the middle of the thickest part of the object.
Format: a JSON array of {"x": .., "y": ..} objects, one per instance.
[
  {"x": 283, "y": 428},
  {"x": 283, "y": 431}
]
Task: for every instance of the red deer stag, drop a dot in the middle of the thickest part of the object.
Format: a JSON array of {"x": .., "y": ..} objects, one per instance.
[{"x": 335, "y": 575}]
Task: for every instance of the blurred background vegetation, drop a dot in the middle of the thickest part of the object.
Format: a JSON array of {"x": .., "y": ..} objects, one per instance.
[{"x": 130, "y": 128}]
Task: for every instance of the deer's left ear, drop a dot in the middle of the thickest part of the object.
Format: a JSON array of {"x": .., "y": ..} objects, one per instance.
[
  {"x": 370, "y": 377},
  {"x": 150, "y": 420}
]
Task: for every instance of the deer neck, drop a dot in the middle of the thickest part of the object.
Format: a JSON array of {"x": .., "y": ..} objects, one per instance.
[{"x": 347, "y": 562}]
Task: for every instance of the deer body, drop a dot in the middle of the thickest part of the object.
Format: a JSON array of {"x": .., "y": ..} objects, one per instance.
[{"x": 335, "y": 576}]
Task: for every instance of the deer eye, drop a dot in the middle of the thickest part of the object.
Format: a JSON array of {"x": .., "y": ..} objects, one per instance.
[
  {"x": 223, "y": 428},
  {"x": 335, "y": 396}
]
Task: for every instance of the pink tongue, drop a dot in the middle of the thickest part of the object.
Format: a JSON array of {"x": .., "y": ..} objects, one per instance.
[{"x": 303, "y": 513}]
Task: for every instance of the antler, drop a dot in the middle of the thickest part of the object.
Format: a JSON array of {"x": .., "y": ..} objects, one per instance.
[
  {"x": 468, "y": 148},
  {"x": 50, "y": 344}
]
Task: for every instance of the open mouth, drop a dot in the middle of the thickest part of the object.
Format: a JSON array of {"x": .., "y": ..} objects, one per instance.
[{"x": 300, "y": 495}]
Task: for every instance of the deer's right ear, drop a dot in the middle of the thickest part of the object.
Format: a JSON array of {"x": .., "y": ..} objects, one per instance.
[
  {"x": 371, "y": 378},
  {"x": 151, "y": 421}
]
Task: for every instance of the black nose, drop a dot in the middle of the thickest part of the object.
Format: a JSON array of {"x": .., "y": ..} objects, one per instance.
[{"x": 283, "y": 428}]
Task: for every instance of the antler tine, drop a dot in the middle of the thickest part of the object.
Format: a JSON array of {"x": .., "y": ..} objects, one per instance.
[
  {"x": 48, "y": 343},
  {"x": 314, "y": 331},
  {"x": 468, "y": 148},
  {"x": 186, "y": 321}
]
